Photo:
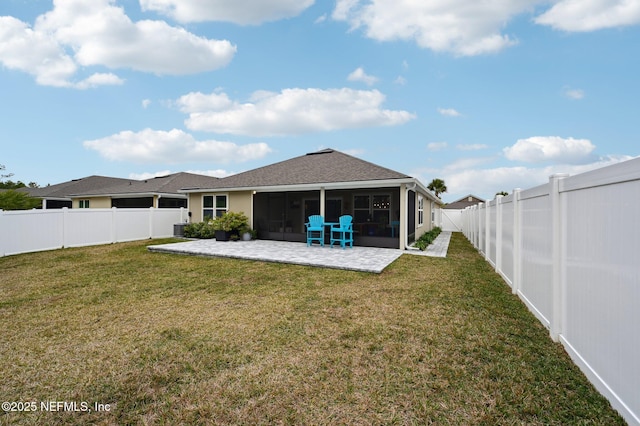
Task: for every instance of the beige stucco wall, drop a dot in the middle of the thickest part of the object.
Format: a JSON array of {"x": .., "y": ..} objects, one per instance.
[
  {"x": 94, "y": 202},
  {"x": 238, "y": 202},
  {"x": 429, "y": 207}
]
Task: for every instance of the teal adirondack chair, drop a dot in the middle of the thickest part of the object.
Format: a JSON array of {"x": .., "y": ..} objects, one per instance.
[
  {"x": 315, "y": 230},
  {"x": 342, "y": 232}
]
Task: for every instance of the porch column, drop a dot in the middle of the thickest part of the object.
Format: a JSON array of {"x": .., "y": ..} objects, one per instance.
[
  {"x": 322, "y": 201},
  {"x": 402, "y": 229}
]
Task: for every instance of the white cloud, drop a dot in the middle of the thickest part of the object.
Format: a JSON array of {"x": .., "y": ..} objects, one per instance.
[
  {"x": 472, "y": 147},
  {"x": 175, "y": 146},
  {"x": 400, "y": 81},
  {"x": 290, "y": 112},
  {"x": 468, "y": 176},
  {"x": 449, "y": 112},
  {"x": 472, "y": 27},
  {"x": 437, "y": 146},
  {"x": 99, "y": 79},
  {"x": 320, "y": 19},
  {"x": 591, "y": 15},
  {"x": 244, "y": 12},
  {"x": 575, "y": 94},
  {"x": 359, "y": 75},
  {"x": 150, "y": 175},
  {"x": 78, "y": 34},
  {"x": 146, "y": 103},
  {"x": 555, "y": 149},
  {"x": 463, "y": 27}
]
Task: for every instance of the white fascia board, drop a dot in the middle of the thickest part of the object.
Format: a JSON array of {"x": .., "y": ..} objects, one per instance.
[{"x": 387, "y": 183}]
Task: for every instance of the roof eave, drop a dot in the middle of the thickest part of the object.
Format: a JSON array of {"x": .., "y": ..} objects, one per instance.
[
  {"x": 378, "y": 183},
  {"x": 131, "y": 195}
]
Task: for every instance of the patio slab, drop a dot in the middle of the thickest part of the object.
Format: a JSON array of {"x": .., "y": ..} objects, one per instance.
[{"x": 363, "y": 259}]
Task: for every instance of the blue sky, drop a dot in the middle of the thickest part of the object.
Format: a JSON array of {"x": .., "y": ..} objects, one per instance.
[{"x": 489, "y": 96}]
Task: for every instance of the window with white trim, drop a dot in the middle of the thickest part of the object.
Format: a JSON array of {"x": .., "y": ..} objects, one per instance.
[
  {"x": 214, "y": 206},
  {"x": 83, "y": 204},
  {"x": 420, "y": 210}
]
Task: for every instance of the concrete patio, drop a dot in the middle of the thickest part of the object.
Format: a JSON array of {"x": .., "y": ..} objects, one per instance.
[{"x": 363, "y": 259}]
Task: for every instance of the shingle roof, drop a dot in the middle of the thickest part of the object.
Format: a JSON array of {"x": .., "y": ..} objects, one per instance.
[
  {"x": 463, "y": 202},
  {"x": 169, "y": 184},
  {"x": 326, "y": 166},
  {"x": 64, "y": 189}
]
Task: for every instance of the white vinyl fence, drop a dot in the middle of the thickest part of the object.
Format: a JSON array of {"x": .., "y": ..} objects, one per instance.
[
  {"x": 570, "y": 249},
  {"x": 25, "y": 231}
]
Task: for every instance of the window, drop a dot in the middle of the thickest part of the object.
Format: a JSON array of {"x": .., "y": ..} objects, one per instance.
[
  {"x": 214, "y": 205},
  {"x": 84, "y": 204},
  {"x": 420, "y": 210}
]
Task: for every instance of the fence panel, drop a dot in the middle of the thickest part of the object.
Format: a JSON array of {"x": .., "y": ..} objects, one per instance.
[
  {"x": 163, "y": 221},
  {"x": 506, "y": 244},
  {"x": 132, "y": 225},
  {"x": 82, "y": 229},
  {"x": 574, "y": 246},
  {"x": 27, "y": 231},
  {"x": 602, "y": 302},
  {"x": 536, "y": 263},
  {"x": 491, "y": 234},
  {"x": 37, "y": 230}
]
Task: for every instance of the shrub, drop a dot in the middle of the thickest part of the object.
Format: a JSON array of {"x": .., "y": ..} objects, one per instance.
[
  {"x": 231, "y": 222},
  {"x": 427, "y": 238},
  {"x": 203, "y": 230}
]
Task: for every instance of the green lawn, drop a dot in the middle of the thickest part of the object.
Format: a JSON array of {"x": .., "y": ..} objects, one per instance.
[{"x": 170, "y": 339}]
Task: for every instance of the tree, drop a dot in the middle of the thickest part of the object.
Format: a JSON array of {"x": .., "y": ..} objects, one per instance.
[
  {"x": 9, "y": 184},
  {"x": 437, "y": 186},
  {"x": 2, "y": 176},
  {"x": 14, "y": 200}
]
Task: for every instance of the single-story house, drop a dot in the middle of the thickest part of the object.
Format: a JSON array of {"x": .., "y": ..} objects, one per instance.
[
  {"x": 389, "y": 208},
  {"x": 464, "y": 202},
  {"x": 58, "y": 196},
  {"x": 159, "y": 192}
]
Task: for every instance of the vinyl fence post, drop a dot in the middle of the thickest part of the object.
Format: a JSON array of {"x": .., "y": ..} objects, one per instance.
[
  {"x": 517, "y": 241},
  {"x": 65, "y": 226},
  {"x": 557, "y": 256},
  {"x": 151, "y": 209},
  {"x": 481, "y": 228},
  {"x": 3, "y": 241},
  {"x": 487, "y": 231},
  {"x": 114, "y": 211},
  {"x": 499, "y": 233}
]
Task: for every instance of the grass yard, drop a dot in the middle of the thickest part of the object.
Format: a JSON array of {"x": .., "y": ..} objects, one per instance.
[{"x": 170, "y": 339}]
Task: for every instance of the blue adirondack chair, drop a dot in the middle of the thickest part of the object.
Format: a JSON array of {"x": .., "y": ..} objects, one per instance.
[
  {"x": 315, "y": 229},
  {"x": 342, "y": 232}
]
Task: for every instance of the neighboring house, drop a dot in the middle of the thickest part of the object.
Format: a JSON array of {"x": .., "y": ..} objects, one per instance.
[
  {"x": 389, "y": 209},
  {"x": 464, "y": 202},
  {"x": 160, "y": 192},
  {"x": 58, "y": 196}
]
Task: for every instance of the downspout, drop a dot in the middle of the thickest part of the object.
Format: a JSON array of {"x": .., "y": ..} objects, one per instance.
[{"x": 406, "y": 227}]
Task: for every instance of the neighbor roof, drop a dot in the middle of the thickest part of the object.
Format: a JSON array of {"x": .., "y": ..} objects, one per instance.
[
  {"x": 325, "y": 166},
  {"x": 169, "y": 184},
  {"x": 463, "y": 202},
  {"x": 64, "y": 189}
]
